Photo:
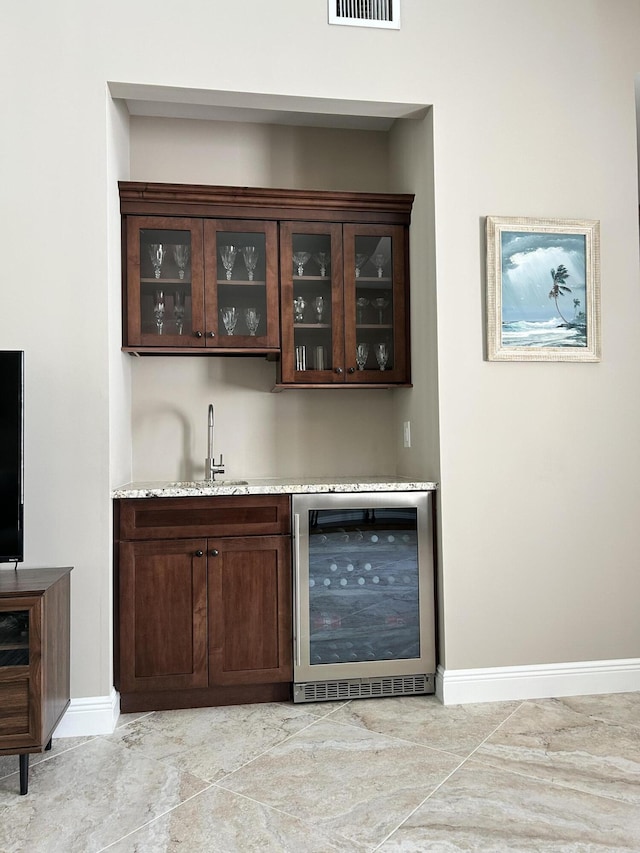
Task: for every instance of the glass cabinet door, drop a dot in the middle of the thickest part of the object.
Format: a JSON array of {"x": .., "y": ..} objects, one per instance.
[
  {"x": 375, "y": 318},
  {"x": 165, "y": 277},
  {"x": 14, "y": 638},
  {"x": 241, "y": 284},
  {"x": 311, "y": 303}
]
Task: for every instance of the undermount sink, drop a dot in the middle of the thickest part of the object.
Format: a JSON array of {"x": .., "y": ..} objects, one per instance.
[{"x": 204, "y": 484}]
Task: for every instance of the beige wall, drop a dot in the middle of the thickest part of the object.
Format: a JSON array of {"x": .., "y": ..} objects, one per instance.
[{"x": 533, "y": 114}]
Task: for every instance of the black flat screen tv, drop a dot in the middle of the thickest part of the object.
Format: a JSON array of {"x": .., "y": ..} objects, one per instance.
[{"x": 11, "y": 456}]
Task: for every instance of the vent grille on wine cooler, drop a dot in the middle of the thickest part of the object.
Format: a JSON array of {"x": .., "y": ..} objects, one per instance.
[
  {"x": 362, "y": 688},
  {"x": 365, "y": 13}
]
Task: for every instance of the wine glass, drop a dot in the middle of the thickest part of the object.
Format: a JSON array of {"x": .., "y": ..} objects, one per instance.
[
  {"x": 361, "y": 304},
  {"x": 322, "y": 259},
  {"x": 156, "y": 253},
  {"x": 319, "y": 304},
  {"x": 361, "y": 260},
  {"x": 250, "y": 255},
  {"x": 362, "y": 353},
  {"x": 380, "y": 262},
  {"x": 181, "y": 257},
  {"x": 228, "y": 257},
  {"x": 178, "y": 308},
  {"x": 252, "y": 319},
  {"x": 382, "y": 355},
  {"x": 300, "y": 259},
  {"x": 298, "y": 306},
  {"x": 229, "y": 318},
  {"x": 158, "y": 309},
  {"x": 380, "y": 303}
]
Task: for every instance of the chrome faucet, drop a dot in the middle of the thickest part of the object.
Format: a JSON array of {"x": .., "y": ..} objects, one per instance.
[{"x": 210, "y": 466}]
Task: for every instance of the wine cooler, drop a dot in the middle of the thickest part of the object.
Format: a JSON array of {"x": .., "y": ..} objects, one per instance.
[{"x": 364, "y": 614}]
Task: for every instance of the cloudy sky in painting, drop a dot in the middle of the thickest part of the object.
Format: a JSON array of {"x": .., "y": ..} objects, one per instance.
[{"x": 527, "y": 261}]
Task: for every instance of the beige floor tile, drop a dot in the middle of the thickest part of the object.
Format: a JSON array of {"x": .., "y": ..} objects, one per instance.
[
  {"x": 211, "y": 742},
  {"x": 548, "y": 740},
  {"x": 220, "y": 821},
  {"x": 345, "y": 780},
  {"x": 86, "y": 798},
  {"x": 483, "y": 809},
  {"x": 422, "y": 719},
  {"x": 9, "y": 764},
  {"x": 620, "y": 708}
]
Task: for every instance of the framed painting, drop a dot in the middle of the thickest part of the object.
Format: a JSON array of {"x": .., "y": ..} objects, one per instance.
[{"x": 543, "y": 289}]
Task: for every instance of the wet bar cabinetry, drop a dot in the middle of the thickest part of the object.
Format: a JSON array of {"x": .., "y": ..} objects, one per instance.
[
  {"x": 316, "y": 280},
  {"x": 34, "y": 660},
  {"x": 203, "y": 601}
]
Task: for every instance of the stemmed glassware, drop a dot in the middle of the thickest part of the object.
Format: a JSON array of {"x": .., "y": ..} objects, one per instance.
[
  {"x": 361, "y": 260},
  {"x": 380, "y": 303},
  {"x": 250, "y": 256},
  {"x": 361, "y": 304},
  {"x": 319, "y": 305},
  {"x": 178, "y": 308},
  {"x": 156, "y": 253},
  {"x": 362, "y": 353},
  {"x": 252, "y": 319},
  {"x": 158, "y": 309},
  {"x": 300, "y": 259},
  {"x": 181, "y": 257},
  {"x": 382, "y": 355},
  {"x": 229, "y": 318},
  {"x": 298, "y": 307},
  {"x": 380, "y": 262},
  {"x": 228, "y": 258},
  {"x": 322, "y": 259}
]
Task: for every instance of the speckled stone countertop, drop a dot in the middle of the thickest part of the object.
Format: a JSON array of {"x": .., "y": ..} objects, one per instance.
[{"x": 275, "y": 486}]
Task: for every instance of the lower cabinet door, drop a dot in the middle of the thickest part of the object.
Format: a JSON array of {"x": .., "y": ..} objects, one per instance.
[
  {"x": 249, "y": 610},
  {"x": 163, "y": 615}
]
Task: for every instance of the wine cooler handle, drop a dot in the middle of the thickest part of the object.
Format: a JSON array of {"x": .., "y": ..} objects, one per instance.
[{"x": 296, "y": 583}]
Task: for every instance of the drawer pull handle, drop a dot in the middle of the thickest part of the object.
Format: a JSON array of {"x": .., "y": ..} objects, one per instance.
[
  {"x": 199, "y": 554},
  {"x": 352, "y": 370},
  {"x": 197, "y": 334},
  {"x": 215, "y": 552},
  {"x": 339, "y": 370}
]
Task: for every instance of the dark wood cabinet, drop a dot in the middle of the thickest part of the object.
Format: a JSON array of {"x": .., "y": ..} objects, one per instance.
[
  {"x": 204, "y": 601},
  {"x": 34, "y": 660},
  {"x": 344, "y": 305},
  {"x": 317, "y": 280},
  {"x": 179, "y": 296}
]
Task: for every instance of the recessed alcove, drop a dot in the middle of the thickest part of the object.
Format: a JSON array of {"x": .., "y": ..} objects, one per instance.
[{"x": 243, "y": 139}]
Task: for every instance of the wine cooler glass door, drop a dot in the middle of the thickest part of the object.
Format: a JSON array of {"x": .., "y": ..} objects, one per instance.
[{"x": 364, "y": 578}]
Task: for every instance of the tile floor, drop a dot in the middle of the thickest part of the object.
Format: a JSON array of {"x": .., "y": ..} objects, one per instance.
[{"x": 397, "y": 774}]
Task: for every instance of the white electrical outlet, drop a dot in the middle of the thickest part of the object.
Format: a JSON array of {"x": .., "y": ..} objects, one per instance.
[{"x": 407, "y": 433}]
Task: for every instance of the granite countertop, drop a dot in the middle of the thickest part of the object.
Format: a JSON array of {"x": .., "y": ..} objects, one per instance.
[{"x": 270, "y": 486}]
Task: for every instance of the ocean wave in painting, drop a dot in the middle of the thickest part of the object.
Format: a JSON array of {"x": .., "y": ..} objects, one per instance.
[{"x": 543, "y": 333}]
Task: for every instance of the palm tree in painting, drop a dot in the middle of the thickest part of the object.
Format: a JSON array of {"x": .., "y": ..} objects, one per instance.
[{"x": 559, "y": 288}]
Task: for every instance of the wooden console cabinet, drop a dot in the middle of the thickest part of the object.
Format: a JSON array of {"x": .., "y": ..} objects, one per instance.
[
  {"x": 34, "y": 660},
  {"x": 203, "y": 601}
]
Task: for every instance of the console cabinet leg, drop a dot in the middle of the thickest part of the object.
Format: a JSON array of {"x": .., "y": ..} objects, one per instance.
[{"x": 24, "y": 773}]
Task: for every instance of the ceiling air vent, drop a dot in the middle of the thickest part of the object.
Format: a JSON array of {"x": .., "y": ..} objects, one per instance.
[{"x": 365, "y": 13}]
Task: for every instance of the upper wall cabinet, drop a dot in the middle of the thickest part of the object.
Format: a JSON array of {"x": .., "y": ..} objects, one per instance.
[
  {"x": 317, "y": 279},
  {"x": 200, "y": 284}
]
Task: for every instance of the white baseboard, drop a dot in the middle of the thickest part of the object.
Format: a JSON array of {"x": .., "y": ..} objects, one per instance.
[
  {"x": 95, "y": 715},
  {"x": 497, "y": 684}
]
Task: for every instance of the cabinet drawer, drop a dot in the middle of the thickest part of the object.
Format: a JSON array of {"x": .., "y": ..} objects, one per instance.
[
  {"x": 171, "y": 518},
  {"x": 14, "y": 707}
]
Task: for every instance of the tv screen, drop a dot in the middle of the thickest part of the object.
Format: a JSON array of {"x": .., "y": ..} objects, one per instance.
[{"x": 11, "y": 456}]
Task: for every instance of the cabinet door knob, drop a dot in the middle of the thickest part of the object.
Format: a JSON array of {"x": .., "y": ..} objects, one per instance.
[
  {"x": 352, "y": 370},
  {"x": 199, "y": 554},
  {"x": 339, "y": 370},
  {"x": 197, "y": 334},
  {"x": 215, "y": 552},
  {"x": 211, "y": 334}
]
